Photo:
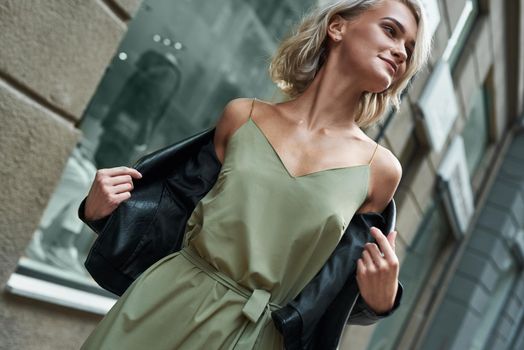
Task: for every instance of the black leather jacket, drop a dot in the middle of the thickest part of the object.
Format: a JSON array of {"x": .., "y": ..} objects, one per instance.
[{"x": 150, "y": 225}]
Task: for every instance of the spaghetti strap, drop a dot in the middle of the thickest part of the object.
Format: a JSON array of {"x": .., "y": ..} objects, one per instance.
[
  {"x": 373, "y": 154},
  {"x": 252, "y": 104}
]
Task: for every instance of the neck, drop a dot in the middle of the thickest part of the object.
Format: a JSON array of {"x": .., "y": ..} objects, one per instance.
[{"x": 329, "y": 102}]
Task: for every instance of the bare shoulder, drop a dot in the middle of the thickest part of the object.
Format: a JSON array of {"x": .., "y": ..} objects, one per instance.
[
  {"x": 235, "y": 113},
  {"x": 388, "y": 163},
  {"x": 386, "y": 173}
]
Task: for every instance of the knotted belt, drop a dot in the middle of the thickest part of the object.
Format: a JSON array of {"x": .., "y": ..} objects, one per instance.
[{"x": 257, "y": 300}]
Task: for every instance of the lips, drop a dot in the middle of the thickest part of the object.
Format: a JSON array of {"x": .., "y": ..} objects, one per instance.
[{"x": 391, "y": 64}]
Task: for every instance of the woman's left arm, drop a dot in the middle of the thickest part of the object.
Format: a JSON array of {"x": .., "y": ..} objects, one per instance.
[{"x": 378, "y": 268}]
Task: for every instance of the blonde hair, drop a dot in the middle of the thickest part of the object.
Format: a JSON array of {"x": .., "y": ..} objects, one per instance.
[{"x": 300, "y": 56}]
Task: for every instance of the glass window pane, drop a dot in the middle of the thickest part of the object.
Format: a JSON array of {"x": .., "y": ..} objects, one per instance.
[
  {"x": 475, "y": 132},
  {"x": 177, "y": 66},
  {"x": 463, "y": 35}
]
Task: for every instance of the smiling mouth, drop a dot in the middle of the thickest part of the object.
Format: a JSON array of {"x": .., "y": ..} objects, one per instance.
[{"x": 393, "y": 69}]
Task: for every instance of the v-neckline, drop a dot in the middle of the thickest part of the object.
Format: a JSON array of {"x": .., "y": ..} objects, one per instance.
[{"x": 250, "y": 120}]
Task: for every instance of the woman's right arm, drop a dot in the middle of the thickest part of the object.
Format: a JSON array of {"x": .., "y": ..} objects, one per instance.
[{"x": 110, "y": 187}]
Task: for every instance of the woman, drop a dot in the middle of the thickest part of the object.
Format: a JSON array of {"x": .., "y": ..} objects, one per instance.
[{"x": 244, "y": 254}]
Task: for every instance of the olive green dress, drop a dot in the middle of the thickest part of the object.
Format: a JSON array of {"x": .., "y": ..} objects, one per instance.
[{"x": 252, "y": 243}]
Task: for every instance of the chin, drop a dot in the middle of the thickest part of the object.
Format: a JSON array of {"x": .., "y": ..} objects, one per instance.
[
  {"x": 379, "y": 83},
  {"x": 378, "y": 88}
]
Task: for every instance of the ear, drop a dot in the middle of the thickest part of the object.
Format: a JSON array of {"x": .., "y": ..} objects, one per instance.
[{"x": 336, "y": 27}]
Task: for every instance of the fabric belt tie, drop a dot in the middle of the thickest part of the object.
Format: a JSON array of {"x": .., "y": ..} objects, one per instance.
[{"x": 257, "y": 299}]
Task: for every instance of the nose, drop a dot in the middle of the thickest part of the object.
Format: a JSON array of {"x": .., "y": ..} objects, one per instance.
[{"x": 400, "y": 54}]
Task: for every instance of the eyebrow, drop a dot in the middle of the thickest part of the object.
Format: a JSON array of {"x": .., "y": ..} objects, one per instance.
[{"x": 401, "y": 27}]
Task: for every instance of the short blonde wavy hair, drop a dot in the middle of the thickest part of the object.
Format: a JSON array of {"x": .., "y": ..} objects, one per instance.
[{"x": 299, "y": 56}]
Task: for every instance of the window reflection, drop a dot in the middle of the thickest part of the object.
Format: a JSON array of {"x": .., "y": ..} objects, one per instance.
[
  {"x": 58, "y": 238},
  {"x": 138, "y": 109},
  {"x": 177, "y": 66}
]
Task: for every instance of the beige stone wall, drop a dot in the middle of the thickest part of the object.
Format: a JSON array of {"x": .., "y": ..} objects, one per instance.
[{"x": 53, "y": 56}]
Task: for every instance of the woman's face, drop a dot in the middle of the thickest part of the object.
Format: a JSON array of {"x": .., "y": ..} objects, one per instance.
[{"x": 376, "y": 46}]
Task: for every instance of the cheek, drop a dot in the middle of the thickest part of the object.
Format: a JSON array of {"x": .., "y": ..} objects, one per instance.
[
  {"x": 357, "y": 54},
  {"x": 362, "y": 41}
]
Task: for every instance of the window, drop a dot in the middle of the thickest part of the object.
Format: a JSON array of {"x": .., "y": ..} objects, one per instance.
[
  {"x": 461, "y": 32},
  {"x": 177, "y": 66},
  {"x": 475, "y": 132}
]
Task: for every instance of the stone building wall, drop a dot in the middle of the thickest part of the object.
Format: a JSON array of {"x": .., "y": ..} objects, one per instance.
[{"x": 53, "y": 55}]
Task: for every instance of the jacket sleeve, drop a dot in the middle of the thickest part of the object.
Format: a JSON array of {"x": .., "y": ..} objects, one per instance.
[
  {"x": 96, "y": 225},
  {"x": 363, "y": 315}
]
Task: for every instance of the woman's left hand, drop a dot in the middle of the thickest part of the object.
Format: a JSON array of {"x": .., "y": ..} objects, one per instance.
[{"x": 377, "y": 275}]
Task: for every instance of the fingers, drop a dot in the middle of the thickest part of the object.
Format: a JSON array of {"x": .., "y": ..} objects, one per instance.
[
  {"x": 120, "y": 197},
  {"x": 383, "y": 243},
  {"x": 360, "y": 267},
  {"x": 372, "y": 250},
  {"x": 368, "y": 261},
  {"x": 121, "y": 179},
  {"x": 392, "y": 236},
  {"x": 371, "y": 261},
  {"x": 122, "y": 170},
  {"x": 125, "y": 187},
  {"x": 110, "y": 187},
  {"x": 118, "y": 175}
]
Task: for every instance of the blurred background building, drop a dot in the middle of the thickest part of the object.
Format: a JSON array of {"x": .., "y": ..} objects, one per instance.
[{"x": 97, "y": 83}]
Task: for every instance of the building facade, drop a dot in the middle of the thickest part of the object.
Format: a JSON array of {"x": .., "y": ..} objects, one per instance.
[{"x": 95, "y": 84}]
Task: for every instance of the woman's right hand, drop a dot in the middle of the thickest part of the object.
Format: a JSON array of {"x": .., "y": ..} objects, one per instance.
[{"x": 110, "y": 187}]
